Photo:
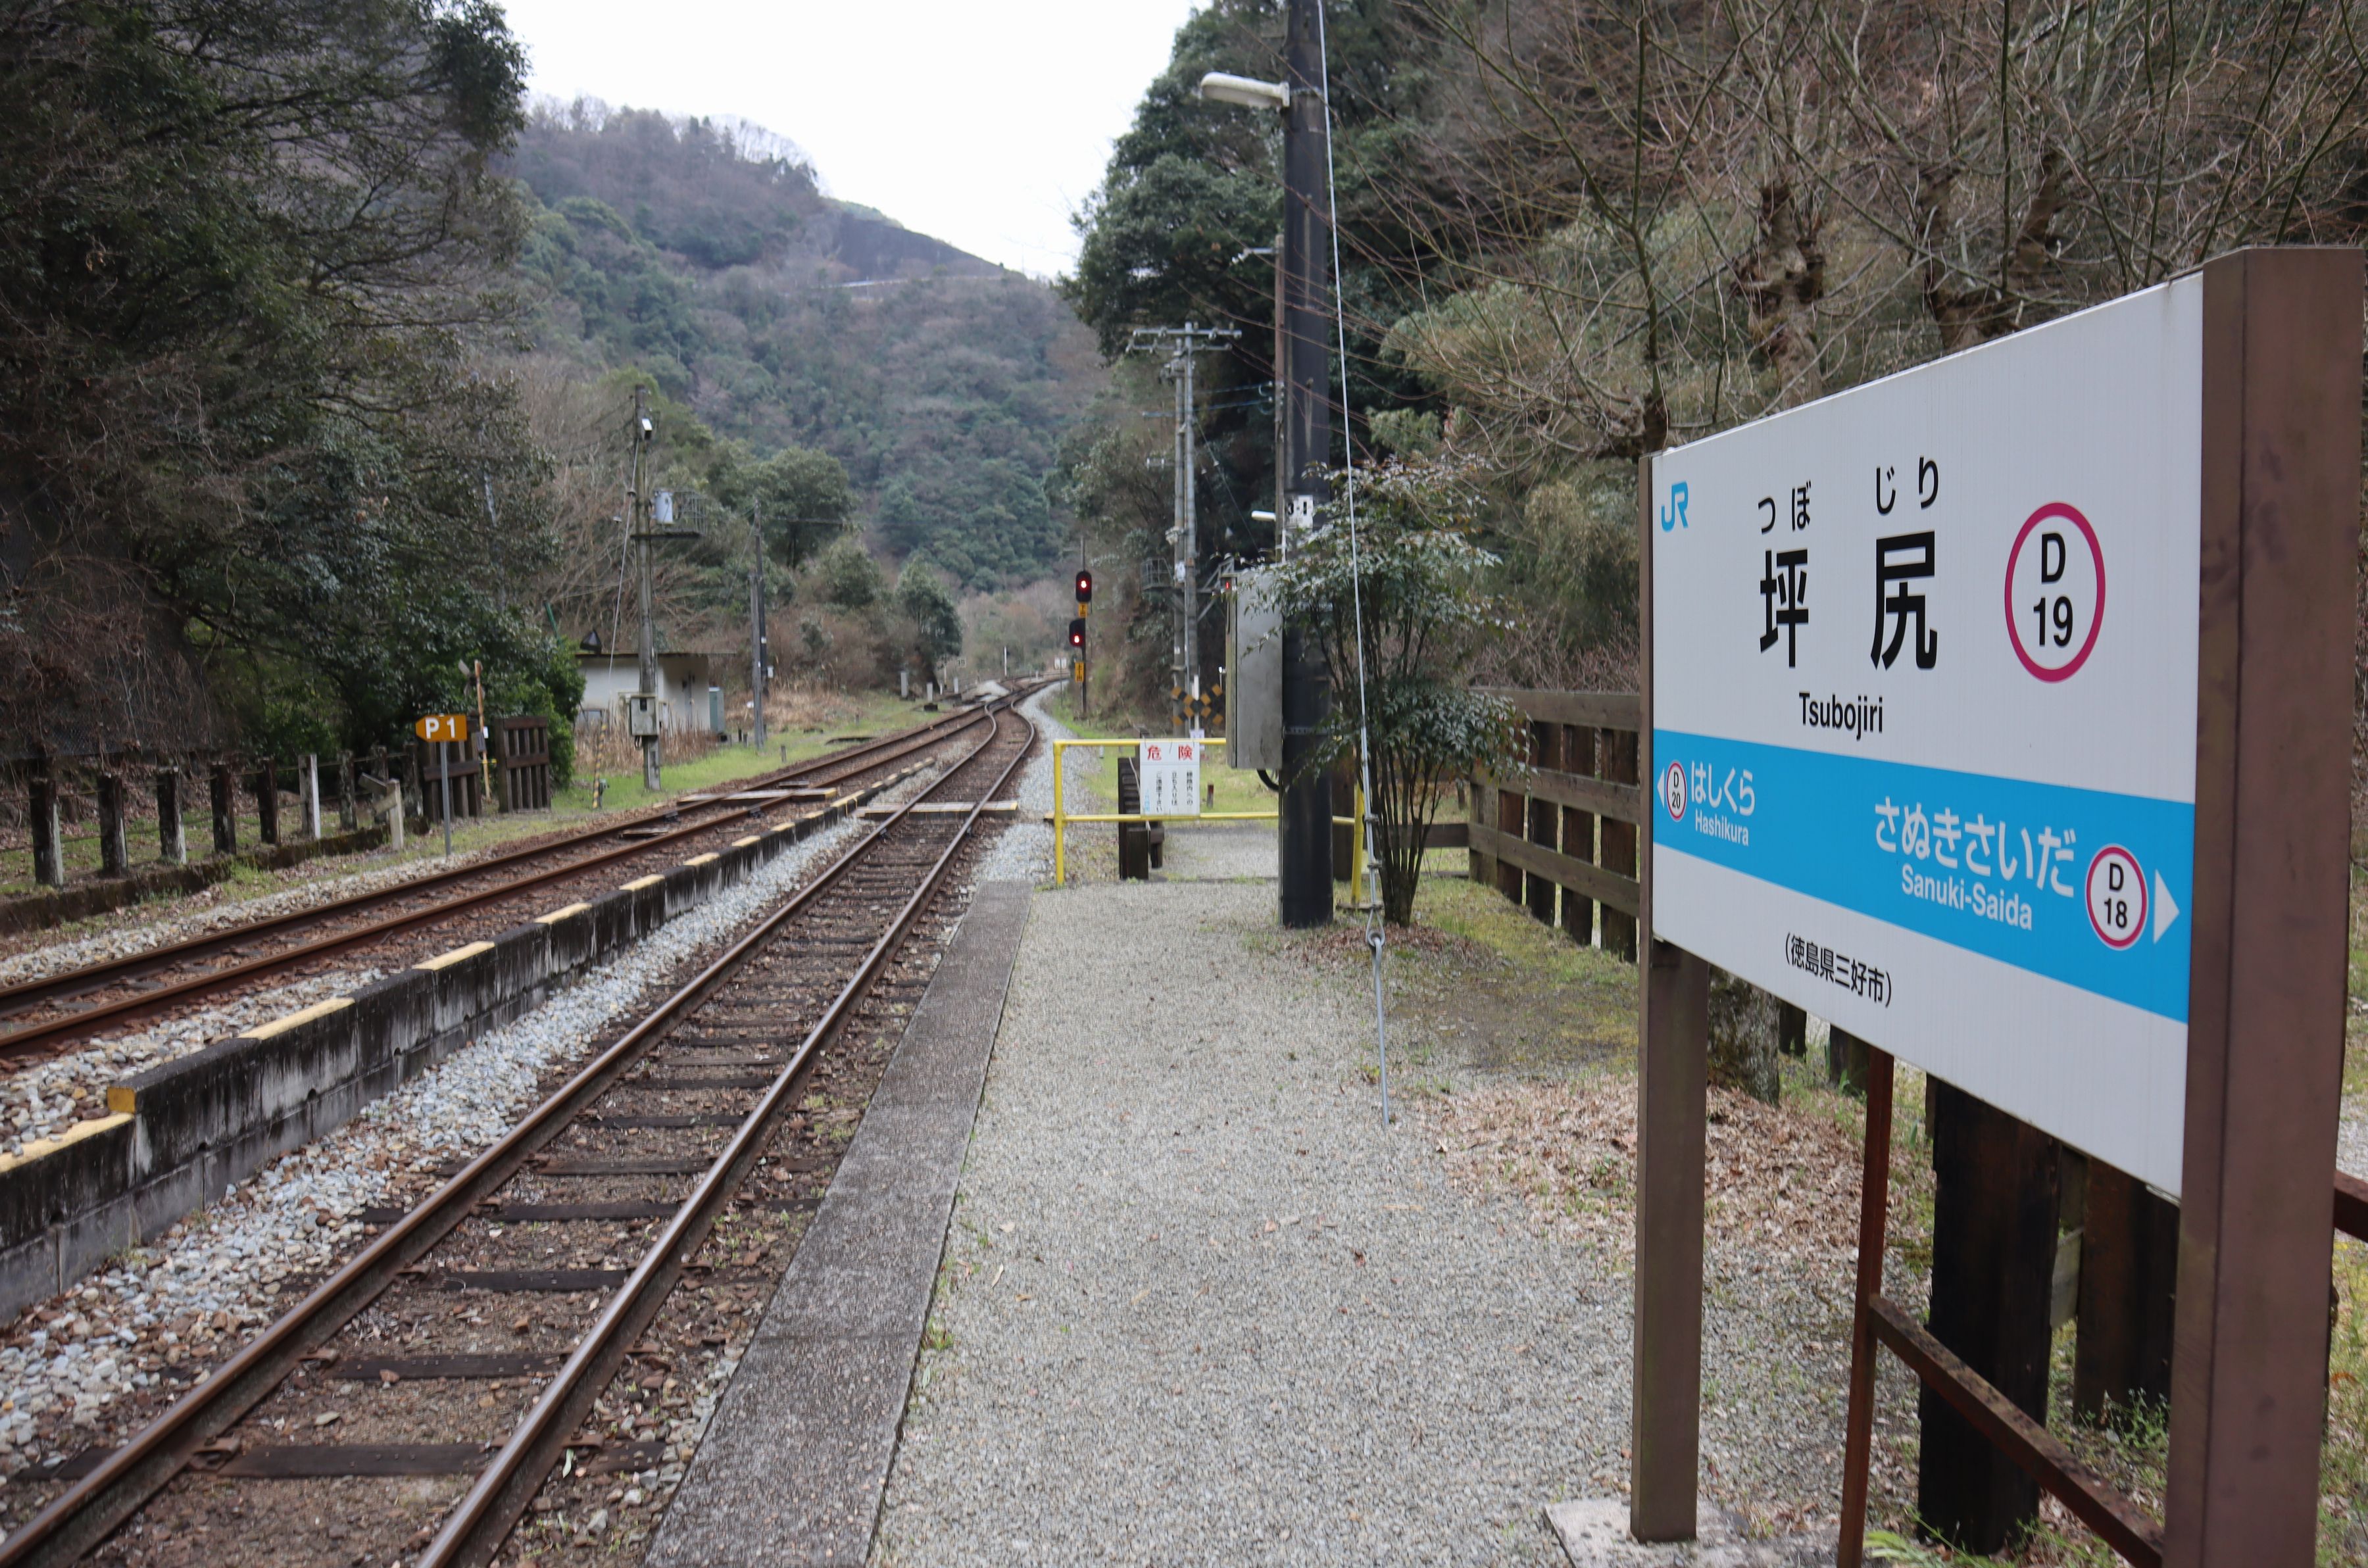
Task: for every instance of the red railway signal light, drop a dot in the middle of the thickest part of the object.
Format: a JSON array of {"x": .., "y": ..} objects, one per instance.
[
  {"x": 1085, "y": 586},
  {"x": 1077, "y": 633}
]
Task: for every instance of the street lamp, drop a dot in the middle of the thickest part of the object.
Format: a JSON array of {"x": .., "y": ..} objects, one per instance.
[{"x": 1246, "y": 91}]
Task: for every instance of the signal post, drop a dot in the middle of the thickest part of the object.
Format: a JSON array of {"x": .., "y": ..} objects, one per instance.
[{"x": 1077, "y": 669}]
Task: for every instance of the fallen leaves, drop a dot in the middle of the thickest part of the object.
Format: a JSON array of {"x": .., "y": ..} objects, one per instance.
[{"x": 1777, "y": 1179}]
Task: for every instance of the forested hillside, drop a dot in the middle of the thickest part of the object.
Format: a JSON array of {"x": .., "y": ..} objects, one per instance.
[{"x": 706, "y": 257}]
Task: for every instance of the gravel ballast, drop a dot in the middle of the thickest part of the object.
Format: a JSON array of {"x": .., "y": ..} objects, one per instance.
[
  {"x": 221, "y": 1271},
  {"x": 1198, "y": 1307}
]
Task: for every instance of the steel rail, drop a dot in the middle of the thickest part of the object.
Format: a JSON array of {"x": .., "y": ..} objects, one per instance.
[
  {"x": 79, "y": 1519},
  {"x": 473, "y": 1533},
  {"x": 32, "y": 1037}
]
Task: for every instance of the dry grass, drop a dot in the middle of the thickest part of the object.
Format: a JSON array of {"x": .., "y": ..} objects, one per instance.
[{"x": 1781, "y": 1181}]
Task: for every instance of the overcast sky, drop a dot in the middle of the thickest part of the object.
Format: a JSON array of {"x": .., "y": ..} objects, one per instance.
[{"x": 983, "y": 122}]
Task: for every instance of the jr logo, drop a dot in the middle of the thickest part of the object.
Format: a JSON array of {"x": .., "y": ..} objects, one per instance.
[{"x": 1673, "y": 515}]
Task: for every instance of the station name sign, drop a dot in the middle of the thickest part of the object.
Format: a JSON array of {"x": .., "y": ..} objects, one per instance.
[{"x": 1924, "y": 715}]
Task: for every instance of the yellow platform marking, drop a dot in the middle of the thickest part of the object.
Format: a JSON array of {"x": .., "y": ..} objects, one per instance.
[
  {"x": 446, "y": 960},
  {"x": 74, "y": 1134},
  {"x": 287, "y": 1021},
  {"x": 699, "y": 861},
  {"x": 556, "y": 916},
  {"x": 638, "y": 883},
  {"x": 744, "y": 843}
]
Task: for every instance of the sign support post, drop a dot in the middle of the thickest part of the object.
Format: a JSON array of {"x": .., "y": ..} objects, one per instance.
[
  {"x": 1672, "y": 1107},
  {"x": 2265, "y": 1043}
]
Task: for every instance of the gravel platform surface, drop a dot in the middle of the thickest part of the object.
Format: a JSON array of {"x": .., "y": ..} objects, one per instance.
[{"x": 1196, "y": 1307}]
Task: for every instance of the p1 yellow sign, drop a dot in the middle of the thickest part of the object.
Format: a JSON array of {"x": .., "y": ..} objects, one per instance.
[{"x": 442, "y": 727}]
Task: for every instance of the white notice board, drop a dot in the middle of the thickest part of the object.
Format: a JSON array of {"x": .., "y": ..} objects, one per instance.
[
  {"x": 1924, "y": 715},
  {"x": 1169, "y": 773}
]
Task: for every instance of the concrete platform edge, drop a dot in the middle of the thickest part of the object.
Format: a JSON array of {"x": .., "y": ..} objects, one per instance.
[{"x": 795, "y": 1463}]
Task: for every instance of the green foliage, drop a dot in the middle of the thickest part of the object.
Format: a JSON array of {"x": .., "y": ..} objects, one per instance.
[
  {"x": 1402, "y": 600},
  {"x": 845, "y": 576},
  {"x": 800, "y": 497},
  {"x": 714, "y": 266},
  {"x": 921, "y": 596}
]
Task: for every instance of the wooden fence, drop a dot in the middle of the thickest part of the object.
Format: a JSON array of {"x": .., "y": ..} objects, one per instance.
[
  {"x": 1562, "y": 838},
  {"x": 522, "y": 752}
]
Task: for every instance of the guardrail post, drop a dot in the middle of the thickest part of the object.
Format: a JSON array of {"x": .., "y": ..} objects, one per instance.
[
  {"x": 49, "y": 846},
  {"x": 1060, "y": 814},
  {"x": 309, "y": 783}
]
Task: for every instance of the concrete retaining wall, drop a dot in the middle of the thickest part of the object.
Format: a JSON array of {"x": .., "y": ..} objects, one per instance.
[{"x": 184, "y": 1131}]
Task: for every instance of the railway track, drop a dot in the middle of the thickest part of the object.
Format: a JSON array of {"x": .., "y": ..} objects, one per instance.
[
  {"x": 44, "y": 1018},
  {"x": 512, "y": 1349}
]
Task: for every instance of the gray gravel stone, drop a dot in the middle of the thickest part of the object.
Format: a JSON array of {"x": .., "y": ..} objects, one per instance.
[{"x": 1199, "y": 1307}]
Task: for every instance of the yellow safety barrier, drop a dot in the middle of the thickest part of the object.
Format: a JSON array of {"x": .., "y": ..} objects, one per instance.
[{"x": 1061, "y": 816}]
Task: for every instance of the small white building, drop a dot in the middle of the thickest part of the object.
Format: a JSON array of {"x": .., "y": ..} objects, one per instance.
[{"x": 688, "y": 700}]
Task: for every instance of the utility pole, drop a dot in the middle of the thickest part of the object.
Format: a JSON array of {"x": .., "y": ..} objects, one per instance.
[
  {"x": 639, "y": 511},
  {"x": 1303, "y": 835},
  {"x": 757, "y": 649},
  {"x": 1182, "y": 345}
]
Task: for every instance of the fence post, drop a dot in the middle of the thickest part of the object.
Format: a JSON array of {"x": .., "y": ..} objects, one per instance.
[
  {"x": 2129, "y": 1271},
  {"x": 225, "y": 808},
  {"x": 1545, "y": 751},
  {"x": 267, "y": 801},
  {"x": 1619, "y": 839},
  {"x": 1995, "y": 1202},
  {"x": 345, "y": 820},
  {"x": 114, "y": 854},
  {"x": 1578, "y": 834},
  {"x": 172, "y": 839},
  {"x": 1480, "y": 869},
  {"x": 49, "y": 848},
  {"x": 1846, "y": 1061},
  {"x": 1513, "y": 820},
  {"x": 309, "y": 783}
]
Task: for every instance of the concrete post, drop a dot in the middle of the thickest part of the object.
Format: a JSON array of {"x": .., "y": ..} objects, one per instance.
[
  {"x": 267, "y": 801},
  {"x": 346, "y": 791},
  {"x": 225, "y": 807},
  {"x": 311, "y": 786},
  {"x": 172, "y": 839},
  {"x": 49, "y": 848},
  {"x": 114, "y": 855}
]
